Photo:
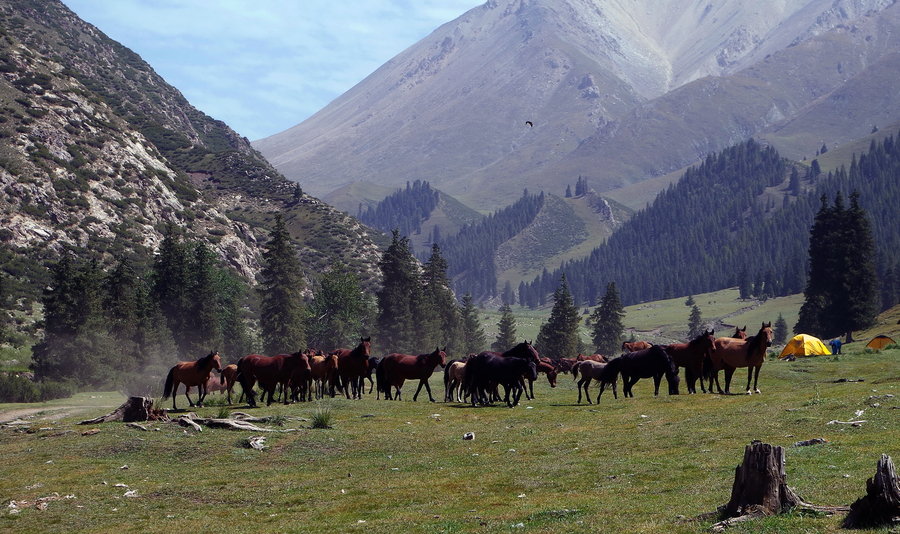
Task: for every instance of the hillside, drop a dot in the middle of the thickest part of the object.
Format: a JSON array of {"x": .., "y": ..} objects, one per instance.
[
  {"x": 617, "y": 92},
  {"x": 99, "y": 154}
]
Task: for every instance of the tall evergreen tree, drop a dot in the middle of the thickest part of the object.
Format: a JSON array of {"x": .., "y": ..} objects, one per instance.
[
  {"x": 606, "y": 322},
  {"x": 281, "y": 313},
  {"x": 171, "y": 288},
  {"x": 231, "y": 293},
  {"x": 558, "y": 337},
  {"x": 205, "y": 326},
  {"x": 506, "y": 330},
  {"x": 781, "y": 331},
  {"x": 340, "y": 312},
  {"x": 474, "y": 339},
  {"x": 841, "y": 293},
  {"x": 695, "y": 323},
  {"x": 440, "y": 314},
  {"x": 399, "y": 298}
]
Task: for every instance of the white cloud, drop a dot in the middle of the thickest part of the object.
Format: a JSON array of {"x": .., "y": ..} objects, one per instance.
[{"x": 263, "y": 66}]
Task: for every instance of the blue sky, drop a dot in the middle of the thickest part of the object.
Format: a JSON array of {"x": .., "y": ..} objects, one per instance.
[{"x": 263, "y": 66}]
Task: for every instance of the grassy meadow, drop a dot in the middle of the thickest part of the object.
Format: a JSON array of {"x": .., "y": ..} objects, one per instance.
[{"x": 644, "y": 464}]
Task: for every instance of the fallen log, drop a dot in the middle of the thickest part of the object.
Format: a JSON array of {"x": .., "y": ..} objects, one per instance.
[
  {"x": 881, "y": 505},
  {"x": 760, "y": 488},
  {"x": 133, "y": 409},
  {"x": 185, "y": 420}
]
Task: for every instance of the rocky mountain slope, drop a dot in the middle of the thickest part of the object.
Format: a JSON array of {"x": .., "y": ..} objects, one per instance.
[
  {"x": 98, "y": 152},
  {"x": 528, "y": 93}
]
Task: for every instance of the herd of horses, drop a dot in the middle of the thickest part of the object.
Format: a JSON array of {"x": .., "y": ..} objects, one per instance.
[{"x": 477, "y": 378}]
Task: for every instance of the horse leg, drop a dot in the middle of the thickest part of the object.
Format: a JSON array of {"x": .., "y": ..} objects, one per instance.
[
  {"x": 756, "y": 379},
  {"x": 749, "y": 379},
  {"x": 428, "y": 389},
  {"x": 729, "y": 372},
  {"x": 656, "y": 380},
  {"x": 186, "y": 389},
  {"x": 418, "y": 389}
]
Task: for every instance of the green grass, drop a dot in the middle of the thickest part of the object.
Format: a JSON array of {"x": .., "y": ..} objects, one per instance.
[{"x": 628, "y": 465}]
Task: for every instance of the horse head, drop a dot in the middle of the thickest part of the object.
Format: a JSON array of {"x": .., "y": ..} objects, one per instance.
[
  {"x": 767, "y": 330},
  {"x": 365, "y": 345},
  {"x": 442, "y": 353},
  {"x": 215, "y": 359}
]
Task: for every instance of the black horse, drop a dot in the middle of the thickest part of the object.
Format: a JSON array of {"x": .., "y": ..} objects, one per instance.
[
  {"x": 648, "y": 363},
  {"x": 486, "y": 371}
]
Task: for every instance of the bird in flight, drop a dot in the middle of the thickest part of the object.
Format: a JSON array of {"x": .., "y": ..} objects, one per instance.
[{"x": 529, "y": 123}]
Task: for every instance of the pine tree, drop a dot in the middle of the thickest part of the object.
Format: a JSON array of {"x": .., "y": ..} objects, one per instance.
[
  {"x": 606, "y": 322},
  {"x": 558, "y": 337},
  {"x": 690, "y": 301},
  {"x": 695, "y": 323},
  {"x": 340, "y": 312},
  {"x": 399, "y": 298},
  {"x": 506, "y": 330},
  {"x": 281, "y": 312},
  {"x": 568, "y": 191},
  {"x": 440, "y": 314},
  {"x": 205, "y": 326},
  {"x": 841, "y": 292},
  {"x": 474, "y": 339},
  {"x": 171, "y": 286},
  {"x": 231, "y": 294},
  {"x": 781, "y": 331}
]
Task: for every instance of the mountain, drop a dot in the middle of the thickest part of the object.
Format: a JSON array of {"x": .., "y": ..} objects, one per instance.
[
  {"x": 100, "y": 154},
  {"x": 529, "y": 93}
]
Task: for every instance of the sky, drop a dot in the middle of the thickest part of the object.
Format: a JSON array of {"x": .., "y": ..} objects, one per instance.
[{"x": 263, "y": 66}]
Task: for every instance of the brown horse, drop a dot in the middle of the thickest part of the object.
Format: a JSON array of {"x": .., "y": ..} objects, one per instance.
[
  {"x": 396, "y": 368},
  {"x": 300, "y": 380},
  {"x": 591, "y": 370},
  {"x": 228, "y": 378},
  {"x": 731, "y": 353},
  {"x": 634, "y": 346},
  {"x": 564, "y": 365},
  {"x": 740, "y": 333},
  {"x": 324, "y": 373},
  {"x": 270, "y": 372},
  {"x": 691, "y": 356},
  {"x": 353, "y": 365},
  {"x": 191, "y": 374},
  {"x": 547, "y": 367}
]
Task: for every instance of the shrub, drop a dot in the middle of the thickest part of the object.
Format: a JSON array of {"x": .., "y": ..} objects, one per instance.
[
  {"x": 321, "y": 418},
  {"x": 14, "y": 388}
]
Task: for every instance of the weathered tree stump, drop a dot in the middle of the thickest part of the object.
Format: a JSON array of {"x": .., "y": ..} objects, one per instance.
[
  {"x": 760, "y": 488},
  {"x": 881, "y": 505},
  {"x": 134, "y": 409}
]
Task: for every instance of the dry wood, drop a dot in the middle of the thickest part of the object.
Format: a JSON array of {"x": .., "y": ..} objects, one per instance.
[
  {"x": 185, "y": 420},
  {"x": 133, "y": 409},
  {"x": 881, "y": 505},
  {"x": 760, "y": 488}
]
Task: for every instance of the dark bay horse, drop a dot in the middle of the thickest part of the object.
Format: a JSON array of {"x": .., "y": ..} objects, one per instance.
[
  {"x": 395, "y": 368},
  {"x": 547, "y": 367},
  {"x": 270, "y": 372},
  {"x": 648, "y": 363},
  {"x": 194, "y": 373},
  {"x": 353, "y": 365},
  {"x": 691, "y": 356},
  {"x": 485, "y": 371},
  {"x": 592, "y": 370},
  {"x": 731, "y": 353}
]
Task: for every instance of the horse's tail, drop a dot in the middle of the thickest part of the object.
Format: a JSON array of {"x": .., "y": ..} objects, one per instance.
[
  {"x": 170, "y": 380},
  {"x": 671, "y": 372},
  {"x": 575, "y": 372},
  {"x": 221, "y": 378},
  {"x": 380, "y": 382}
]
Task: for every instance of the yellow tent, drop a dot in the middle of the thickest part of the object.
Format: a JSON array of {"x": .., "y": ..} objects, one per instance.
[
  {"x": 880, "y": 342},
  {"x": 804, "y": 345}
]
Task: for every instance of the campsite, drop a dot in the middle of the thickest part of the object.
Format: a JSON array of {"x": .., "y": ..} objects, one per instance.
[{"x": 642, "y": 464}]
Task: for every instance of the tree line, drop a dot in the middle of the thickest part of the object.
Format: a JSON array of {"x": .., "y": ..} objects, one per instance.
[
  {"x": 404, "y": 210},
  {"x": 712, "y": 230}
]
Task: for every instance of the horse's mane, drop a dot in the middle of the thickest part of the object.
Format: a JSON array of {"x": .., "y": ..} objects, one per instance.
[
  {"x": 203, "y": 360},
  {"x": 753, "y": 343}
]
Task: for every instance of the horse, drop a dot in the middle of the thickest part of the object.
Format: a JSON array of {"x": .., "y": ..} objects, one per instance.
[
  {"x": 395, "y": 368},
  {"x": 647, "y": 363},
  {"x": 191, "y": 374},
  {"x": 547, "y": 367},
  {"x": 487, "y": 370},
  {"x": 270, "y": 372},
  {"x": 591, "y": 370},
  {"x": 731, "y": 353},
  {"x": 227, "y": 378},
  {"x": 300, "y": 380},
  {"x": 691, "y": 356},
  {"x": 373, "y": 364},
  {"x": 324, "y": 373},
  {"x": 593, "y": 357},
  {"x": 353, "y": 364},
  {"x": 740, "y": 333},
  {"x": 633, "y": 346},
  {"x": 564, "y": 365},
  {"x": 454, "y": 374}
]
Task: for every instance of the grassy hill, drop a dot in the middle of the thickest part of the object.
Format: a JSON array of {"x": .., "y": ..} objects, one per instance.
[{"x": 642, "y": 465}]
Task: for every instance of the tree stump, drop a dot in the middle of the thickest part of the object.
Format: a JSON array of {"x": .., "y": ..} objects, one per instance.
[
  {"x": 134, "y": 409},
  {"x": 760, "y": 485},
  {"x": 881, "y": 505}
]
